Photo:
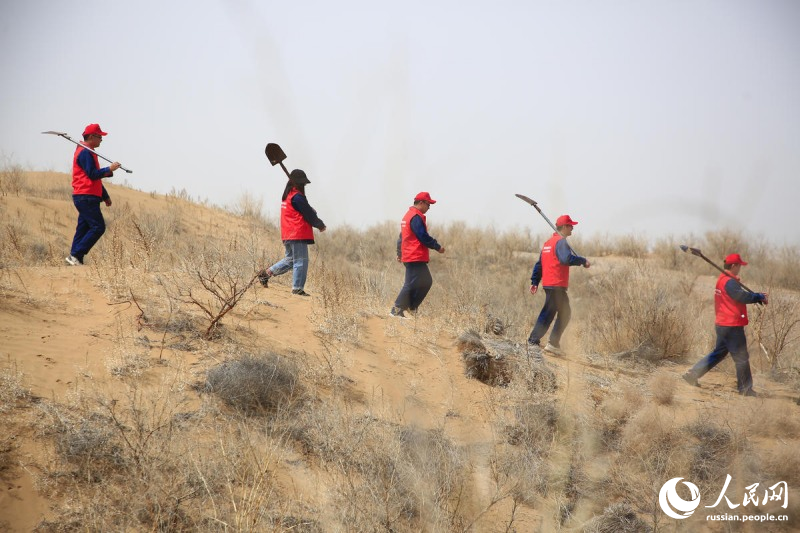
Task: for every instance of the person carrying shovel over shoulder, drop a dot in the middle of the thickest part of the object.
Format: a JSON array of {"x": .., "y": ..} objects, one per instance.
[
  {"x": 298, "y": 220},
  {"x": 730, "y": 307},
  {"x": 552, "y": 271}
]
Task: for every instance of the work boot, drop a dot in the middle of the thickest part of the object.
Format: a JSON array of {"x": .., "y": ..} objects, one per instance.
[
  {"x": 397, "y": 312},
  {"x": 535, "y": 351},
  {"x": 691, "y": 379},
  {"x": 300, "y": 292},
  {"x": 555, "y": 350}
]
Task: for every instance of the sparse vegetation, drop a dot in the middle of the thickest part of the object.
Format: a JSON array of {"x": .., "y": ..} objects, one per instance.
[{"x": 205, "y": 407}]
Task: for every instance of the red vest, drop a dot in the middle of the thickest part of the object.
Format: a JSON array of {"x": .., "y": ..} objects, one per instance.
[
  {"x": 293, "y": 226},
  {"x": 411, "y": 249},
  {"x": 729, "y": 312},
  {"x": 554, "y": 273},
  {"x": 81, "y": 184}
]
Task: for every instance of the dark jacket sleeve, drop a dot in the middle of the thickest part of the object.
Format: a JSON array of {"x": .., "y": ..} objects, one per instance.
[
  {"x": 566, "y": 256},
  {"x": 86, "y": 162},
  {"x": 536, "y": 276},
  {"x": 418, "y": 227},
  {"x": 742, "y": 296},
  {"x": 399, "y": 243},
  {"x": 300, "y": 203}
]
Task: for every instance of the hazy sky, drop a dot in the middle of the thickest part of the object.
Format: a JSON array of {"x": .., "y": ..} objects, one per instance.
[{"x": 655, "y": 117}]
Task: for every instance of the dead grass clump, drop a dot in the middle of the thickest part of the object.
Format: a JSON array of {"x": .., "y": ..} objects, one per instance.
[
  {"x": 479, "y": 363},
  {"x": 521, "y": 469},
  {"x": 12, "y": 390},
  {"x": 612, "y": 411},
  {"x": 256, "y": 384},
  {"x": 535, "y": 425},
  {"x": 713, "y": 452},
  {"x": 618, "y": 518},
  {"x": 781, "y": 422},
  {"x": 386, "y": 477},
  {"x": 85, "y": 441},
  {"x": 662, "y": 387},
  {"x": 783, "y": 463},
  {"x": 339, "y": 316}
]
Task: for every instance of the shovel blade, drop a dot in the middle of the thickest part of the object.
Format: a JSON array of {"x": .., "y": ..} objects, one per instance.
[
  {"x": 274, "y": 154},
  {"x": 526, "y": 199}
]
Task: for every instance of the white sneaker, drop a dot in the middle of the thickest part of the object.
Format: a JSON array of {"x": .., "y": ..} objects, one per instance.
[
  {"x": 553, "y": 350},
  {"x": 72, "y": 261}
]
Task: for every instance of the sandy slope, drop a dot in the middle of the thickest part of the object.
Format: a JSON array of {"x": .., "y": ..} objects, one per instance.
[
  {"x": 64, "y": 329},
  {"x": 60, "y": 330}
]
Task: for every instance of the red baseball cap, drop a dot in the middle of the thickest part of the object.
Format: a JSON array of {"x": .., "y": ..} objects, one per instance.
[
  {"x": 734, "y": 259},
  {"x": 425, "y": 197},
  {"x": 94, "y": 129},
  {"x": 564, "y": 220}
]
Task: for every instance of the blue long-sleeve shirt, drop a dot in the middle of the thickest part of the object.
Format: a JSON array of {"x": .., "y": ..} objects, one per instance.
[
  {"x": 418, "y": 227},
  {"x": 87, "y": 163},
  {"x": 741, "y": 295},
  {"x": 565, "y": 256},
  {"x": 301, "y": 205}
]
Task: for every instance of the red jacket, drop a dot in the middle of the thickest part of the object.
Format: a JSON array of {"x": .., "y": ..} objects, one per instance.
[
  {"x": 81, "y": 184},
  {"x": 411, "y": 249},
  {"x": 554, "y": 273},
  {"x": 729, "y": 312},
  {"x": 293, "y": 226}
]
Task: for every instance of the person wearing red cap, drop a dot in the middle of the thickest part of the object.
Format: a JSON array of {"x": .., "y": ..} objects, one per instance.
[
  {"x": 552, "y": 270},
  {"x": 730, "y": 308},
  {"x": 412, "y": 251},
  {"x": 87, "y": 193},
  {"x": 298, "y": 220}
]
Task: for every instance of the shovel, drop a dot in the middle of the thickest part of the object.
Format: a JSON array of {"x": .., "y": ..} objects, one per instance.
[
  {"x": 70, "y": 139},
  {"x": 275, "y": 155},
  {"x": 536, "y": 206},
  {"x": 698, "y": 253}
]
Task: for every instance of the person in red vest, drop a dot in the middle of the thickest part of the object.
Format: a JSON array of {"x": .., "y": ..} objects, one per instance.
[
  {"x": 552, "y": 270},
  {"x": 87, "y": 193},
  {"x": 730, "y": 307},
  {"x": 413, "y": 251},
  {"x": 298, "y": 220}
]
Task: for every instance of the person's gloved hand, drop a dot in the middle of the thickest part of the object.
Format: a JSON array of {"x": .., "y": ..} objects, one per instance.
[{"x": 534, "y": 288}]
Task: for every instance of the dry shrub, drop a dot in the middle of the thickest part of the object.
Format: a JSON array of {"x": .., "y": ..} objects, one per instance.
[
  {"x": 662, "y": 386},
  {"x": 612, "y": 411},
  {"x": 777, "y": 326},
  {"x": 480, "y": 364},
  {"x": 783, "y": 463},
  {"x": 12, "y": 390},
  {"x": 711, "y": 455},
  {"x": 339, "y": 316},
  {"x": 651, "y": 450},
  {"x": 256, "y": 385},
  {"x": 523, "y": 465},
  {"x": 618, "y": 518},
  {"x": 634, "y": 311},
  {"x": 386, "y": 477},
  {"x": 12, "y": 178},
  {"x": 781, "y": 421}
]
